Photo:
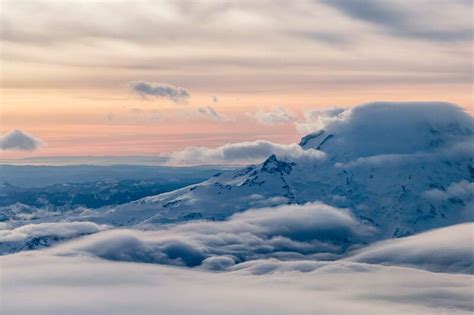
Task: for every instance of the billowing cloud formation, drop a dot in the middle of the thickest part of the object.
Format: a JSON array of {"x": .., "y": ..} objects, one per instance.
[
  {"x": 383, "y": 128},
  {"x": 241, "y": 153},
  {"x": 212, "y": 114},
  {"x": 285, "y": 232},
  {"x": 162, "y": 90},
  {"x": 277, "y": 116},
  {"x": 19, "y": 140},
  {"x": 443, "y": 250}
]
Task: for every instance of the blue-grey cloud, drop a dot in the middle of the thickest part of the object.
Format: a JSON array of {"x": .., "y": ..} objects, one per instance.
[
  {"x": 162, "y": 90},
  {"x": 20, "y": 141},
  {"x": 397, "y": 20}
]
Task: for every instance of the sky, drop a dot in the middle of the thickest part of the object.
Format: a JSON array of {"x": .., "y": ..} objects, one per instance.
[{"x": 128, "y": 78}]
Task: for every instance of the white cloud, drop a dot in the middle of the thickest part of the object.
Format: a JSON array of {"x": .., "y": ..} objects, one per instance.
[
  {"x": 461, "y": 190},
  {"x": 278, "y": 115},
  {"x": 162, "y": 90},
  {"x": 241, "y": 153},
  {"x": 461, "y": 193},
  {"x": 19, "y": 140},
  {"x": 317, "y": 119},
  {"x": 442, "y": 250}
]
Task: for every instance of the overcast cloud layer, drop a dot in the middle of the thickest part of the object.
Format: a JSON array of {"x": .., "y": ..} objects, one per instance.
[{"x": 239, "y": 47}]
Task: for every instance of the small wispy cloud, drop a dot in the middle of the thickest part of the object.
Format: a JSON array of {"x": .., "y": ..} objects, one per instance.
[
  {"x": 462, "y": 190},
  {"x": 210, "y": 113},
  {"x": 317, "y": 119},
  {"x": 278, "y": 115},
  {"x": 161, "y": 90}
]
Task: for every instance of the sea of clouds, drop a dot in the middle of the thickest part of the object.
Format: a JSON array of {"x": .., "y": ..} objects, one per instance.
[
  {"x": 43, "y": 282},
  {"x": 286, "y": 259}
]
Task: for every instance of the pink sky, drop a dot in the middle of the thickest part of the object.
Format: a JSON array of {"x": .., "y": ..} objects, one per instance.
[{"x": 250, "y": 70}]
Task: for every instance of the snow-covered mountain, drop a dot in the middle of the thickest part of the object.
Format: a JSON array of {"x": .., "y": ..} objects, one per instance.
[{"x": 401, "y": 167}]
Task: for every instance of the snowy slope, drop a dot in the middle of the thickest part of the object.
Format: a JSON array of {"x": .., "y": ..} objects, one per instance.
[{"x": 379, "y": 160}]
